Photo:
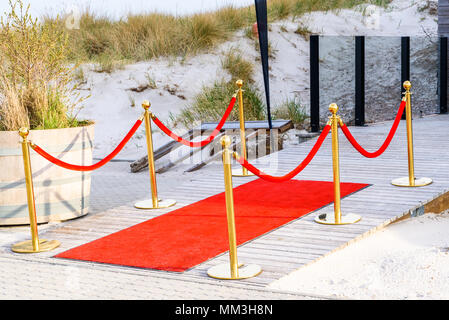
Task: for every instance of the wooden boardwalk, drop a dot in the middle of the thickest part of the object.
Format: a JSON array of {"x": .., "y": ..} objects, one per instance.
[{"x": 302, "y": 241}]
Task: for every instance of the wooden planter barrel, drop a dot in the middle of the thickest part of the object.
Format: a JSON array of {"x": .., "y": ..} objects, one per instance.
[{"x": 60, "y": 194}]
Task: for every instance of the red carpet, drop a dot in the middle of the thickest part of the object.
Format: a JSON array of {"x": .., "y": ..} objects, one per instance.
[{"x": 188, "y": 236}]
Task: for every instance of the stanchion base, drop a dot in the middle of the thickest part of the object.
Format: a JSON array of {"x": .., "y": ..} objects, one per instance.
[
  {"x": 238, "y": 172},
  {"x": 329, "y": 218},
  {"x": 148, "y": 204},
  {"x": 223, "y": 271},
  {"x": 27, "y": 246},
  {"x": 405, "y": 182}
]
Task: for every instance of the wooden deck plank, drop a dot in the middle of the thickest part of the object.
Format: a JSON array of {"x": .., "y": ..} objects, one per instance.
[{"x": 303, "y": 241}]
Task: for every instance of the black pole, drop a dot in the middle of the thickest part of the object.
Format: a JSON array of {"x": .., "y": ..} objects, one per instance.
[
  {"x": 405, "y": 64},
  {"x": 442, "y": 75},
  {"x": 359, "y": 80},
  {"x": 314, "y": 83},
  {"x": 262, "y": 28}
]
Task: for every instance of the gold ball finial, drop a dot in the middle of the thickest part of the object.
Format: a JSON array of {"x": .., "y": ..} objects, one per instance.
[
  {"x": 146, "y": 104},
  {"x": 333, "y": 108},
  {"x": 24, "y": 132},
  {"x": 225, "y": 141},
  {"x": 239, "y": 83},
  {"x": 407, "y": 85}
]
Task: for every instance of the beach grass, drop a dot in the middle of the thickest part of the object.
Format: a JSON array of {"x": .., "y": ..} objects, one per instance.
[
  {"x": 238, "y": 67},
  {"x": 291, "y": 109},
  {"x": 141, "y": 37},
  {"x": 211, "y": 103}
]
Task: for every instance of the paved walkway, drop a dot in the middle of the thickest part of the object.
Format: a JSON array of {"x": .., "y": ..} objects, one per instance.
[{"x": 115, "y": 189}]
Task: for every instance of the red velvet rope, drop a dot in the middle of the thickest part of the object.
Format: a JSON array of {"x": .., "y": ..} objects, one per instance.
[
  {"x": 387, "y": 141},
  {"x": 295, "y": 171},
  {"x": 199, "y": 143},
  {"x": 93, "y": 166}
]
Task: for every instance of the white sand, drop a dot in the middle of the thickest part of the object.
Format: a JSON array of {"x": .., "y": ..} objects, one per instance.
[{"x": 415, "y": 267}]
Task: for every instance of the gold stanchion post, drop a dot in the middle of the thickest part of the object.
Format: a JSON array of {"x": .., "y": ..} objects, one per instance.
[
  {"x": 411, "y": 180},
  {"x": 34, "y": 245},
  {"x": 232, "y": 270},
  {"x": 154, "y": 202},
  {"x": 336, "y": 218},
  {"x": 241, "y": 172}
]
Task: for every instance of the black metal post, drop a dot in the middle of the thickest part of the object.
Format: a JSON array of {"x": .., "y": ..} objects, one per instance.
[
  {"x": 314, "y": 83},
  {"x": 442, "y": 75},
  {"x": 405, "y": 64},
  {"x": 262, "y": 28},
  {"x": 359, "y": 80}
]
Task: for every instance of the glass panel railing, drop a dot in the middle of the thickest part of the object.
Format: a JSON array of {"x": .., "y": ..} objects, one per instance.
[
  {"x": 383, "y": 83},
  {"x": 382, "y": 78},
  {"x": 337, "y": 68},
  {"x": 424, "y": 68}
]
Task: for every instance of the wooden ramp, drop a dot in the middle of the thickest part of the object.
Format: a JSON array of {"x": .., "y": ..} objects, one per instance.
[
  {"x": 280, "y": 125},
  {"x": 253, "y": 128},
  {"x": 302, "y": 241}
]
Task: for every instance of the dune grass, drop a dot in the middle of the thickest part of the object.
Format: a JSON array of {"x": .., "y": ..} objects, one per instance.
[
  {"x": 291, "y": 109},
  {"x": 238, "y": 67},
  {"x": 211, "y": 103},
  {"x": 146, "y": 36}
]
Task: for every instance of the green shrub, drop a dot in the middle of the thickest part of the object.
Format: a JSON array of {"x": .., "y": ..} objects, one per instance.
[
  {"x": 291, "y": 109},
  {"x": 211, "y": 103},
  {"x": 35, "y": 80}
]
